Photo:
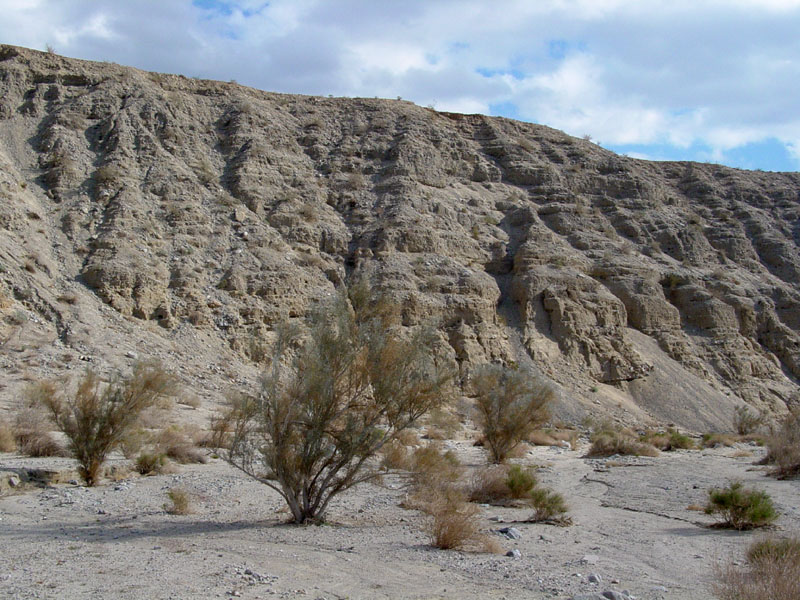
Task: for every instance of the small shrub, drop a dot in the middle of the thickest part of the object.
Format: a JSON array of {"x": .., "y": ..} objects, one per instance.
[
  {"x": 520, "y": 481},
  {"x": 150, "y": 462},
  {"x": 548, "y": 506},
  {"x": 667, "y": 440},
  {"x": 783, "y": 447},
  {"x": 608, "y": 439},
  {"x": 431, "y": 468},
  {"x": 772, "y": 573},
  {"x": 712, "y": 440},
  {"x": 489, "y": 485},
  {"x": 745, "y": 421},
  {"x": 96, "y": 417},
  {"x": 511, "y": 404},
  {"x": 180, "y": 502},
  {"x": 32, "y": 434},
  {"x": 396, "y": 456},
  {"x": 554, "y": 437},
  {"x": 177, "y": 445},
  {"x": 454, "y": 523},
  {"x": 741, "y": 508}
]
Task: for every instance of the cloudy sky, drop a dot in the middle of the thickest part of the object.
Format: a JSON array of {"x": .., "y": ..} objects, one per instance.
[{"x": 708, "y": 80}]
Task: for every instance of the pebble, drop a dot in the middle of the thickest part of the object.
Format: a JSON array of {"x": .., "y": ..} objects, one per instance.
[
  {"x": 590, "y": 559},
  {"x": 514, "y": 553},
  {"x": 594, "y": 578},
  {"x": 511, "y": 533}
]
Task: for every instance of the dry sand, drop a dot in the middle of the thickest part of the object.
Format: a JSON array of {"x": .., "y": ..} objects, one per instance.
[{"x": 631, "y": 527}]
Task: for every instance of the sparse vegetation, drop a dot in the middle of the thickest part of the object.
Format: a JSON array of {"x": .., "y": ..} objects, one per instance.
[
  {"x": 783, "y": 447},
  {"x": 174, "y": 443},
  {"x": 32, "y": 434},
  {"x": 746, "y": 421},
  {"x": 96, "y": 417},
  {"x": 7, "y": 441},
  {"x": 772, "y": 573},
  {"x": 150, "y": 462},
  {"x": 511, "y": 404},
  {"x": 609, "y": 439},
  {"x": 180, "y": 502},
  {"x": 548, "y": 506},
  {"x": 316, "y": 423},
  {"x": 741, "y": 508},
  {"x": 668, "y": 440}
]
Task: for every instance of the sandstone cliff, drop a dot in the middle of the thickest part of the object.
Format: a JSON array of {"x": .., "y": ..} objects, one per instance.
[{"x": 144, "y": 214}]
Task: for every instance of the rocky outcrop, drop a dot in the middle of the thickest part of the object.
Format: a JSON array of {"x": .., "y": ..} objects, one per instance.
[{"x": 226, "y": 210}]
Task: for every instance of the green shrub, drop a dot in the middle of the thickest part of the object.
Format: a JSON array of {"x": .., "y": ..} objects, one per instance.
[
  {"x": 548, "y": 506},
  {"x": 520, "y": 481},
  {"x": 741, "y": 508},
  {"x": 180, "y": 502},
  {"x": 668, "y": 440}
]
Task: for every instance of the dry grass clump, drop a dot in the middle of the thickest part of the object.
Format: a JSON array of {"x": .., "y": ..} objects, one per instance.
[
  {"x": 7, "y": 441},
  {"x": 668, "y": 440},
  {"x": 178, "y": 445},
  {"x": 32, "y": 434},
  {"x": 713, "y": 440},
  {"x": 608, "y": 439},
  {"x": 741, "y": 508},
  {"x": 783, "y": 447},
  {"x": 772, "y": 573},
  {"x": 180, "y": 502},
  {"x": 442, "y": 424},
  {"x": 454, "y": 524},
  {"x": 489, "y": 485},
  {"x": 746, "y": 421},
  {"x": 396, "y": 456},
  {"x": 148, "y": 463}
]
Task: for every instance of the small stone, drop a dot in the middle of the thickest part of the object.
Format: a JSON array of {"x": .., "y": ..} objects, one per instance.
[
  {"x": 595, "y": 578},
  {"x": 14, "y": 481},
  {"x": 131, "y": 354},
  {"x": 590, "y": 559},
  {"x": 612, "y": 595},
  {"x": 514, "y": 553}
]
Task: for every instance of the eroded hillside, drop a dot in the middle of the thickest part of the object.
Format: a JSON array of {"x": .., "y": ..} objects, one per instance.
[{"x": 153, "y": 215}]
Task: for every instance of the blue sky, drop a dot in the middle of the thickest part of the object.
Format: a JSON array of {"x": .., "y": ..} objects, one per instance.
[{"x": 706, "y": 80}]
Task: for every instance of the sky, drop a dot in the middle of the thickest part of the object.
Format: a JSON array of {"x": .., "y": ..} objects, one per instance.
[{"x": 706, "y": 80}]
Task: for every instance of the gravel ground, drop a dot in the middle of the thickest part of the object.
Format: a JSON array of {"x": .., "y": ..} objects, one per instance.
[{"x": 631, "y": 528}]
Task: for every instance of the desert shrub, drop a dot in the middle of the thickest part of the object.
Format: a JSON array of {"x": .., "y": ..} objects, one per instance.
[
  {"x": 511, "y": 404},
  {"x": 7, "y": 441},
  {"x": 608, "y": 439},
  {"x": 712, "y": 440},
  {"x": 520, "y": 481},
  {"x": 783, "y": 447},
  {"x": 96, "y": 417},
  {"x": 489, "y": 485},
  {"x": 180, "y": 447},
  {"x": 772, "y": 573},
  {"x": 745, "y": 421},
  {"x": 317, "y": 421},
  {"x": 741, "y": 508},
  {"x": 548, "y": 506},
  {"x": 180, "y": 502},
  {"x": 553, "y": 437},
  {"x": 452, "y": 522},
  {"x": 430, "y": 467},
  {"x": 150, "y": 462},
  {"x": 671, "y": 439},
  {"x": 395, "y": 456},
  {"x": 32, "y": 434}
]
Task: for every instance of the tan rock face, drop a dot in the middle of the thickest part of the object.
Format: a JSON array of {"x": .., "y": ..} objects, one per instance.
[{"x": 208, "y": 207}]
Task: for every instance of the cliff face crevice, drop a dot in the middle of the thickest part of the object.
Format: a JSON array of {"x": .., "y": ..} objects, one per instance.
[{"x": 209, "y": 209}]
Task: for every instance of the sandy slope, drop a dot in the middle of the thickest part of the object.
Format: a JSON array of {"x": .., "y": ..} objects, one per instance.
[{"x": 116, "y": 540}]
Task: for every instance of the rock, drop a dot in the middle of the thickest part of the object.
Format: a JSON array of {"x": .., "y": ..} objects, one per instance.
[
  {"x": 131, "y": 354},
  {"x": 612, "y": 595},
  {"x": 14, "y": 481},
  {"x": 594, "y": 578},
  {"x": 511, "y": 533},
  {"x": 590, "y": 559},
  {"x": 514, "y": 553}
]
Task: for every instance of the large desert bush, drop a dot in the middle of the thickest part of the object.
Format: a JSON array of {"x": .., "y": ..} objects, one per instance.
[
  {"x": 511, "y": 404},
  {"x": 96, "y": 416},
  {"x": 741, "y": 508},
  {"x": 772, "y": 572},
  {"x": 314, "y": 427}
]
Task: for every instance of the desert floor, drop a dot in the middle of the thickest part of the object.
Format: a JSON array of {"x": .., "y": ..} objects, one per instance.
[{"x": 631, "y": 527}]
